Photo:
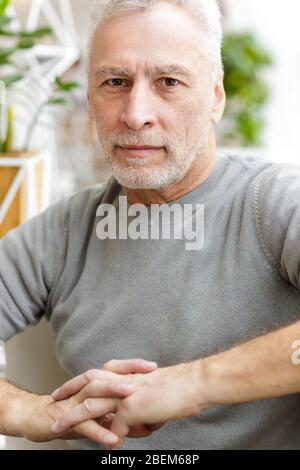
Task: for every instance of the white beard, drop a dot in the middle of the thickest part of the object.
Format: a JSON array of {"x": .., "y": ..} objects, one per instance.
[{"x": 138, "y": 174}]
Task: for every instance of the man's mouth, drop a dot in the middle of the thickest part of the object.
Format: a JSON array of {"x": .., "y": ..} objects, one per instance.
[{"x": 140, "y": 151}]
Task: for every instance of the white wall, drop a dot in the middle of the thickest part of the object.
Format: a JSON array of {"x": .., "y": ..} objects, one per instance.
[{"x": 277, "y": 26}]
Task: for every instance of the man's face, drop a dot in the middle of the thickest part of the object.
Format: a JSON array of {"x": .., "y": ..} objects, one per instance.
[{"x": 145, "y": 105}]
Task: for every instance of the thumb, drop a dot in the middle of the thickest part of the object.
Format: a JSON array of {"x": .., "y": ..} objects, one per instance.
[{"x": 129, "y": 366}]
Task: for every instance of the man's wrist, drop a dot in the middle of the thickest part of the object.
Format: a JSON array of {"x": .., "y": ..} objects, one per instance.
[
  {"x": 27, "y": 412},
  {"x": 195, "y": 385},
  {"x": 16, "y": 413},
  {"x": 210, "y": 382}
]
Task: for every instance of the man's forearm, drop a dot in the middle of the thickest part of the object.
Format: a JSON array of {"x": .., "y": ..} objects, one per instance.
[
  {"x": 259, "y": 369},
  {"x": 12, "y": 400}
]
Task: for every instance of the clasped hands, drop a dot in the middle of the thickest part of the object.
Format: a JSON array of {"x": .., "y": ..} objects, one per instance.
[{"x": 129, "y": 398}]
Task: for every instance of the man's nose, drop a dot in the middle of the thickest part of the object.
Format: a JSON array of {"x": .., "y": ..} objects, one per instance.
[{"x": 139, "y": 108}]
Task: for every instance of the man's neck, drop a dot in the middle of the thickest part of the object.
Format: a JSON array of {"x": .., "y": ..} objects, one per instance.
[{"x": 198, "y": 174}]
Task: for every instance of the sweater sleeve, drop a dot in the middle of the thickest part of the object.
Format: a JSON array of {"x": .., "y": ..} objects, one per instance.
[
  {"x": 277, "y": 209},
  {"x": 29, "y": 258}
]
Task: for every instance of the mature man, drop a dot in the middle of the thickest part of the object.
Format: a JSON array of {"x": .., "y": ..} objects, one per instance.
[{"x": 221, "y": 321}]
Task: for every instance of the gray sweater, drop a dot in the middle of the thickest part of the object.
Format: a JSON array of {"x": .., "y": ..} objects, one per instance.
[{"x": 154, "y": 299}]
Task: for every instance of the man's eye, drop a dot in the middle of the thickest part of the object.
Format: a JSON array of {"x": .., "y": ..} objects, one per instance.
[
  {"x": 170, "y": 82},
  {"x": 115, "y": 82}
]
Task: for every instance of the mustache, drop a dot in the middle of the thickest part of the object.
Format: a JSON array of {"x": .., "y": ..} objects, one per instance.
[{"x": 135, "y": 140}]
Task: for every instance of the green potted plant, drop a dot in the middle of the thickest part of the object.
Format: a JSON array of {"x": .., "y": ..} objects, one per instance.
[
  {"x": 247, "y": 92},
  {"x": 12, "y": 72}
]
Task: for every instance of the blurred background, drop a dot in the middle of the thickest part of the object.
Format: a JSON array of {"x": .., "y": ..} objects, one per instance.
[
  {"x": 49, "y": 147},
  {"x": 261, "y": 54}
]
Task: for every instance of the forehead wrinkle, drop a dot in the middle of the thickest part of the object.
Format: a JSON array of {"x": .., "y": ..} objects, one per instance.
[{"x": 177, "y": 69}]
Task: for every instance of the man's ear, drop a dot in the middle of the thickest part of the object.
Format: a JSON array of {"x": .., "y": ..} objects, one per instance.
[
  {"x": 90, "y": 107},
  {"x": 219, "y": 100}
]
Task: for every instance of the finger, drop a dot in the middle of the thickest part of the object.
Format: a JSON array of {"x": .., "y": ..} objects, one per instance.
[
  {"x": 89, "y": 409},
  {"x": 118, "y": 445},
  {"x": 73, "y": 386},
  {"x": 140, "y": 430},
  {"x": 100, "y": 389},
  {"x": 107, "y": 419},
  {"x": 129, "y": 366},
  {"x": 91, "y": 430},
  {"x": 119, "y": 425}
]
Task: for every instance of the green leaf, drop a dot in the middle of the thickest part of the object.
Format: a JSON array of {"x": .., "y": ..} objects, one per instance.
[
  {"x": 7, "y": 51},
  {"x": 4, "y": 21},
  {"x": 25, "y": 43},
  {"x": 5, "y": 55},
  {"x": 10, "y": 130},
  {"x": 3, "y": 32},
  {"x": 60, "y": 101},
  {"x": 66, "y": 86},
  {"x": 3, "y": 5},
  {"x": 37, "y": 33},
  {"x": 244, "y": 60},
  {"x": 10, "y": 79}
]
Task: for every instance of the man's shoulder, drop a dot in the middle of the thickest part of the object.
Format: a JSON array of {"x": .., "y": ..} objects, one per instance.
[
  {"x": 244, "y": 160},
  {"x": 250, "y": 160},
  {"x": 84, "y": 202},
  {"x": 258, "y": 170}
]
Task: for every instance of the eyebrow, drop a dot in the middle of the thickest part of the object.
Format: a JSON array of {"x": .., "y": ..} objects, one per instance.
[{"x": 177, "y": 69}]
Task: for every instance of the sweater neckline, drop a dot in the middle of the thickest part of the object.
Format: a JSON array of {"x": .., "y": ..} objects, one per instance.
[{"x": 203, "y": 190}]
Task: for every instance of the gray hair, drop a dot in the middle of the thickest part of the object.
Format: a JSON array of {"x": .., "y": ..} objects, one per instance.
[{"x": 207, "y": 12}]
